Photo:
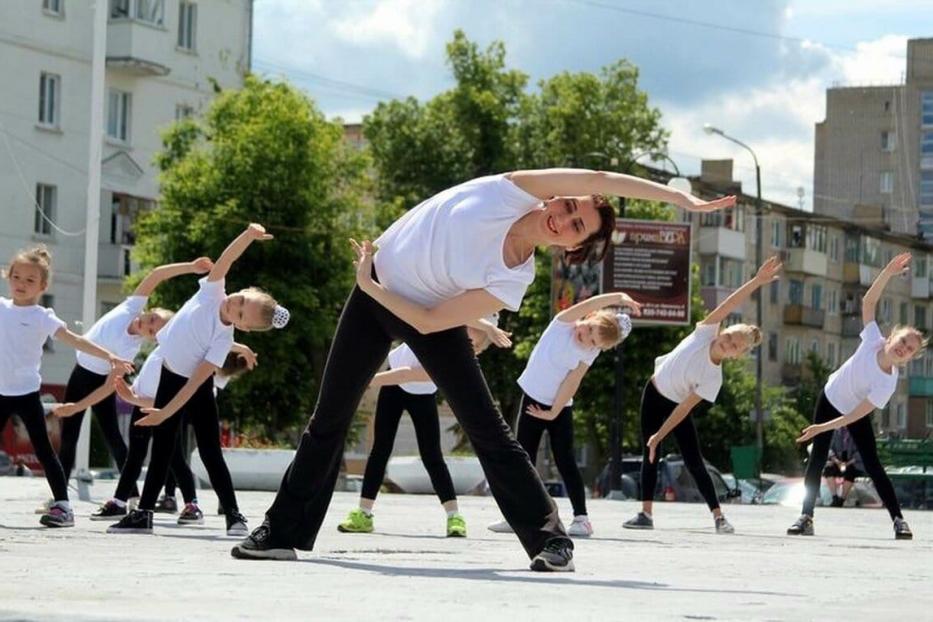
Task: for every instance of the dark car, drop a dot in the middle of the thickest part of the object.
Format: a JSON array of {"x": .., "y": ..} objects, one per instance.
[{"x": 674, "y": 481}]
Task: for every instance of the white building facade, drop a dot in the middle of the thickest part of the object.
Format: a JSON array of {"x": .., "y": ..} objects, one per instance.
[{"x": 163, "y": 60}]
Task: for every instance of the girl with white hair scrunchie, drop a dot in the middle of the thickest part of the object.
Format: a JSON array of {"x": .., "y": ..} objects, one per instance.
[{"x": 560, "y": 359}]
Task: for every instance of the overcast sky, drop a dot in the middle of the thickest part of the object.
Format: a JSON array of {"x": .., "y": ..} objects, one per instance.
[{"x": 756, "y": 68}]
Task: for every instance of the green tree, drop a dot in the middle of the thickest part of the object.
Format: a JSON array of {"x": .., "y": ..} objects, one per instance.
[{"x": 263, "y": 154}]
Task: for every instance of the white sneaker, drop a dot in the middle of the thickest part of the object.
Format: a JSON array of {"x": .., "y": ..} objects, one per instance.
[
  {"x": 45, "y": 507},
  {"x": 581, "y": 527},
  {"x": 724, "y": 526},
  {"x": 500, "y": 527}
]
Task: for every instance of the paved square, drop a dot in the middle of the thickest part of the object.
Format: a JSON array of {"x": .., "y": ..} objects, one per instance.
[{"x": 852, "y": 569}]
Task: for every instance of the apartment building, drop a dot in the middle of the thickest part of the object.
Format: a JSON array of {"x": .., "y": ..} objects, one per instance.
[
  {"x": 874, "y": 151},
  {"x": 163, "y": 59},
  {"x": 829, "y": 263}
]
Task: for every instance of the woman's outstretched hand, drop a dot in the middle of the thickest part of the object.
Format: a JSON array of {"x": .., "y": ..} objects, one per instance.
[{"x": 364, "y": 263}]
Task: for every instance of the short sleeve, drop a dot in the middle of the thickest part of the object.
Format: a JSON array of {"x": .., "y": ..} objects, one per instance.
[
  {"x": 211, "y": 290},
  {"x": 51, "y": 323},
  {"x": 880, "y": 394},
  {"x": 509, "y": 292},
  {"x": 709, "y": 388},
  {"x": 706, "y": 332},
  {"x": 871, "y": 332},
  {"x": 590, "y": 356},
  {"x": 134, "y": 305},
  {"x": 219, "y": 349}
]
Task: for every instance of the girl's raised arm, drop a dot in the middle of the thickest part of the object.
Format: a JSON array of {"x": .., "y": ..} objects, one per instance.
[
  {"x": 899, "y": 265},
  {"x": 235, "y": 249},
  {"x": 161, "y": 274},
  {"x": 584, "y": 308},
  {"x": 768, "y": 272}
]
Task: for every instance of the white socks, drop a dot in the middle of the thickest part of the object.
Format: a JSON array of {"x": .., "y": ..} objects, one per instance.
[{"x": 119, "y": 502}]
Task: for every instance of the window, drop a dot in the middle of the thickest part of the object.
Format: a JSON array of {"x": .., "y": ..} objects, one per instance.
[
  {"x": 816, "y": 238},
  {"x": 772, "y": 346},
  {"x": 183, "y": 111},
  {"x": 776, "y": 228},
  {"x": 834, "y": 248},
  {"x": 919, "y": 267},
  {"x": 795, "y": 292},
  {"x": 853, "y": 251},
  {"x": 832, "y": 301},
  {"x": 920, "y": 317},
  {"x": 792, "y": 351},
  {"x": 151, "y": 11},
  {"x": 926, "y": 188},
  {"x": 49, "y": 94},
  {"x": 901, "y": 415},
  {"x": 888, "y": 140},
  {"x": 53, "y": 6},
  {"x": 775, "y": 292},
  {"x": 887, "y": 182},
  {"x": 708, "y": 271},
  {"x": 831, "y": 354},
  {"x": 926, "y": 109},
  {"x": 795, "y": 236},
  {"x": 816, "y": 296},
  {"x": 870, "y": 252},
  {"x": 118, "y": 115},
  {"x": 815, "y": 346},
  {"x": 902, "y": 315},
  {"x": 48, "y": 301},
  {"x": 730, "y": 272},
  {"x": 119, "y": 9},
  {"x": 187, "y": 23},
  {"x": 886, "y": 309},
  {"x": 46, "y": 198},
  {"x": 926, "y": 144},
  {"x": 929, "y": 413}
]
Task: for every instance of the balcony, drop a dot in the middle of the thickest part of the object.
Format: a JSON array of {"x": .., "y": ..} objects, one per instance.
[
  {"x": 804, "y": 316},
  {"x": 920, "y": 386},
  {"x": 714, "y": 295},
  {"x": 114, "y": 261},
  {"x": 138, "y": 48},
  {"x": 806, "y": 261},
  {"x": 859, "y": 273},
  {"x": 851, "y": 325},
  {"x": 723, "y": 242}
]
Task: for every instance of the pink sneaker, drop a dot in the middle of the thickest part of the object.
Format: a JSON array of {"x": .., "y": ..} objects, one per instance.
[{"x": 580, "y": 527}]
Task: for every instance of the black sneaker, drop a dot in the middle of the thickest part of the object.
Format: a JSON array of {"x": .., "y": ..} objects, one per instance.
[
  {"x": 137, "y": 521},
  {"x": 220, "y": 510},
  {"x": 902, "y": 530},
  {"x": 166, "y": 505},
  {"x": 109, "y": 511},
  {"x": 260, "y": 545},
  {"x": 641, "y": 521},
  {"x": 803, "y": 526},
  {"x": 838, "y": 501},
  {"x": 191, "y": 515},
  {"x": 556, "y": 556},
  {"x": 236, "y": 524}
]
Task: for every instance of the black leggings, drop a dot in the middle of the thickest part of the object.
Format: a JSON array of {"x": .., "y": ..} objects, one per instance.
[
  {"x": 423, "y": 411},
  {"x": 864, "y": 439},
  {"x": 139, "y": 447},
  {"x": 655, "y": 409},
  {"x": 560, "y": 430},
  {"x": 201, "y": 413},
  {"x": 29, "y": 409},
  {"x": 361, "y": 343},
  {"x": 82, "y": 383}
]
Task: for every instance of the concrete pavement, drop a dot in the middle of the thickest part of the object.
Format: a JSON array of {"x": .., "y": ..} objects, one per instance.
[{"x": 852, "y": 569}]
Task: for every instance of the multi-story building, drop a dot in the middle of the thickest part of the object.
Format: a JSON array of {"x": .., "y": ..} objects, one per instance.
[
  {"x": 163, "y": 60},
  {"x": 829, "y": 263},
  {"x": 874, "y": 151}
]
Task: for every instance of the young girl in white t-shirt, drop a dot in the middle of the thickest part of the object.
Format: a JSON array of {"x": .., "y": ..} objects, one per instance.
[
  {"x": 405, "y": 386},
  {"x": 463, "y": 254},
  {"x": 193, "y": 346},
  {"x": 863, "y": 383},
  {"x": 558, "y": 363},
  {"x": 24, "y": 329},
  {"x": 688, "y": 374},
  {"x": 122, "y": 330}
]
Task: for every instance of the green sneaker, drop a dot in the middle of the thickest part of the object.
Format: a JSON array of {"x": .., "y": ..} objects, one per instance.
[
  {"x": 357, "y": 522},
  {"x": 456, "y": 526}
]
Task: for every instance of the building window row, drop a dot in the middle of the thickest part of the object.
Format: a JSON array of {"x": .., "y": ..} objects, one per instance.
[
  {"x": 55, "y": 7},
  {"x": 46, "y": 209},
  {"x": 151, "y": 11}
]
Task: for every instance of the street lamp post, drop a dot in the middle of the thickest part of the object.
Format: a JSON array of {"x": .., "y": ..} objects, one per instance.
[{"x": 759, "y": 419}]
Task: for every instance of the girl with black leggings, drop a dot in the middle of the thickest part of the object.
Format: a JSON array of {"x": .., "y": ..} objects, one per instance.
[
  {"x": 406, "y": 386},
  {"x": 463, "y": 254},
  {"x": 863, "y": 383},
  {"x": 692, "y": 372},
  {"x": 558, "y": 362},
  {"x": 122, "y": 330}
]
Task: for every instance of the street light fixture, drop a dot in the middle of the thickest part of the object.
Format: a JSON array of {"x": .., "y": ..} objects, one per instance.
[{"x": 759, "y": 419}]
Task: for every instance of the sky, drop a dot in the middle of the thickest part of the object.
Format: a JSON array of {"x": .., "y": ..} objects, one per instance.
[{"x": 758, "y": 69}]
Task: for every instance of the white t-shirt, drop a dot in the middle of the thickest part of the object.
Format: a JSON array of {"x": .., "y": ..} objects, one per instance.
[
  {"x": 23, "y": 331},
  {"x": 453, "y": 242},
  {"x": 147, "y": 380},
  {"x": 402, "y": 356},
  {"x": 555, "y": 355},
  {"x": 196, "y": 333},
  {"x": 860, "y": 377},
  {"x": 109, "y": 332},
  {"x": 687, "y": 368}
]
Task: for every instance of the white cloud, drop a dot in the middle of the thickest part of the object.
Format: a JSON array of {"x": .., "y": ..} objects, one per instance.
[{"x": 406, "y": 24}]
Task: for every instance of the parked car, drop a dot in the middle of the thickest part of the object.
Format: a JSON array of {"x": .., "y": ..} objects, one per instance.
[
  {"x": 674, "y": 481},
  {"x": 914, "y": 487},
  {"x": 6, "y": 465},
  {"x": 790, "y": 492},
  {"x": 751, "y": 490}
]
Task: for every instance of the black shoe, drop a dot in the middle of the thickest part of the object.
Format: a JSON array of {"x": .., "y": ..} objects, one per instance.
[
  {"x": 902, "y": 530},
  {"x": 220, "y": 510},
  {"x": 641, "y": 521},
  {"x": 137, "y": 521},
  {"x": 556, "y": 556},
  {"x": 109, "y": 511},
  {"x": 260, "y": 545},
  {"x": 838, "y": 501},
  {"x": 191, "y": 515},
  {"x": 802, "y": 527},
  {"x": 236, "y": 525},
  {"x": 166, "y": 505}
]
